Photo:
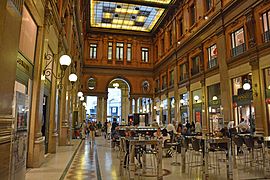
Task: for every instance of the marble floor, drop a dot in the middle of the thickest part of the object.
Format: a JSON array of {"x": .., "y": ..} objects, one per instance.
[{"x": 98, "y": 161}]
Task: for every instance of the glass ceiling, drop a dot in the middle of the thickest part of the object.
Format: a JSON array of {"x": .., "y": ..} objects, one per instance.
[{"x": 118, "y": 15}]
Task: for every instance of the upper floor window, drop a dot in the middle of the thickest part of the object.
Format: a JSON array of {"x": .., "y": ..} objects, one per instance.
[
  {"x": 192, "y": 14},
  {"x": 171, "y": 37},
  {"x": 238, "y": 42},
  {"x": 171, "y": 77},
  {"x": 156, "y": 52},
  {"x": 164, "y": 82},
  {"x": 129, "y": 52},
  {"x": 119, "y": 51},
  {"x": 181, "y": 27},
  {"x": 212, "y": 56},
  {"x": 162, "y": 46},
  {"x": 266, "y": 26},
  {"x": 183, "y": 72},
  {"x": 195, "y": 65},
  {"x": 145, "y": 57},
  {"x": 110, "y": 50},
  {"x": 93, "y": 51},
  {"x": 208, "y": 5}
]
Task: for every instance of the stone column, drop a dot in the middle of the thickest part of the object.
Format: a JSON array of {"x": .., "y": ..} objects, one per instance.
[
  {"x": 136, "y": 105},
  {"x": 257, "y": 96},
  {"x": 204, "y": 108},
  {"x": 99, "y": 108},
  {"x": 63, "y": 116},
  {"x": 176, "y": 97},
  {"x": 104, "y": 109},
  {"x": 226, "y": 98},
  {"x": 36, "y": 148},
  {"x": 169, "y": 110},
  {"x": 130, "y": 105},
  {"x": 124, "y": 103}
]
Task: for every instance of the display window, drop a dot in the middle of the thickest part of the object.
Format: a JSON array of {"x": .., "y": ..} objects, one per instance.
[
  {"x": 184, "y": 107},
  {"x": 216, "y": 121},
  {"x": 243, "y": 107},
  {"x": 267, "y": 95},
  {"x": 197, "y": 106}
]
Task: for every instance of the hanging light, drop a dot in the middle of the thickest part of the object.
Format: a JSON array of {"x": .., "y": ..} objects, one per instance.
[
  {"x": 246, "y": 86},
  {"x": 80, "y": 94},
  {"x": 65, "y": 61},
  {"x": 82, "y": 98},
  {"x": 155, "y": 107},
  {"x": 196, "y": 98},
  {"x": 214, "y": 98},
  {"x": 72, "y": 78},
  {"x": 115, "y": 85},
  {"x": 182, "y": 101},
  {"x": 84, "y": 104}
]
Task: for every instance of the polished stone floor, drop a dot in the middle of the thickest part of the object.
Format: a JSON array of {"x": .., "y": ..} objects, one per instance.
[{"x": 98, "y": 161}]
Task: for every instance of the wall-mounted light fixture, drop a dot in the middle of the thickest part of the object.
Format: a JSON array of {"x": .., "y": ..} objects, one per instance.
[
  {"x": 64, "y": 61},
  {"x": 214, "y": 98},
  {"x": 80, "y": 94},
  {"x": 196, "y": 98},
  {"x": 247, "y": 87},
  {"x": 182, "y": 101}
]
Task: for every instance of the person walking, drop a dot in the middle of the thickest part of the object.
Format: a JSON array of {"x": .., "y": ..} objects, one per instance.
[{"x": 92, "y": 129}]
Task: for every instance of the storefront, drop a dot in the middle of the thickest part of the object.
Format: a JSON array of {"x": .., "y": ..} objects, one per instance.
[
  {"x": 184, "y": 107},
  {"x": 267, "y": 95},
  {"x": 243, "y": 107},
  {"x": 197, "y": 106},
  {"x": 215, "y": 117},
  {"x": 164, "y": 105}
]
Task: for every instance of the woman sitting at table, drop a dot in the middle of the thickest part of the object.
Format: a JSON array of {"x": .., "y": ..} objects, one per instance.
[
  {"x": 158, "y": 133},
  {"x": 165, "y": 136}
]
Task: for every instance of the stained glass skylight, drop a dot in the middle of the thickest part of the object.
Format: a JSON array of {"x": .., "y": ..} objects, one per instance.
[{"x": 118, "y": 15}]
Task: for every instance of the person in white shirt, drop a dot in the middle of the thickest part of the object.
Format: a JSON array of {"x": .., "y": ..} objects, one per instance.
[{"x": 170, "y": 127}]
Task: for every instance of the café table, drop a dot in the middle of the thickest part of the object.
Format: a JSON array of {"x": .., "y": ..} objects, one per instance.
[
  {"x": 266, "y": 156},
  {"x": 176, "y": 145},
  {"x": 133, "y": 142}
]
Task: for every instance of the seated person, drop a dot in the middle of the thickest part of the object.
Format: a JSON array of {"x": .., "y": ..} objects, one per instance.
[
  {"x": 165, "y": 136},
  {"x": 243, "y": 126},
  {"x": 115, "y": 134},
  {"x": 158, "y": 133}
]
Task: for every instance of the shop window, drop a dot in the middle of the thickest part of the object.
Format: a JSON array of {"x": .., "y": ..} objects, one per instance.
[
  {"x": 93, "y": 51},
  {"x": 129, "y": 52},
  {"x": 145, "y": 55},
  {"x": 192, "y": 14},
  {"x": 195, "y": 65},
  {"x": 214, "y": 108},
  {"x": 197, "y": 106},
  {"x": 266, "y": 26},
  {"x": 181, "y": 27},
  {"x": 171, "y": 78},
  {"x": 164, "y": 82},
  {"x": 243, "y": 107},
  {"x": 184, "y": 107},
  {"x": 110, "y": 50},
  {"x": 267, "y": 95},
  {"x": 183, "y": 72},
  {"x": 28, "y": 35},
  {"x": 238, "y": 42},
  {"x": 119, "y": 51},
  {"x": 212, "y": 56},
  {"x": 208, "y": 5}
]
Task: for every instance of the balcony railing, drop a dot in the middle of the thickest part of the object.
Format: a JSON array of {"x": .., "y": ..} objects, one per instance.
[
  {"x": 212, "y": 63},
  {"x": 266, "y": 36},
  {"x": 239, "y": 49}
]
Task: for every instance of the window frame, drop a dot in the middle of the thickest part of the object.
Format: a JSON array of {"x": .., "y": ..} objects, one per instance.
[
  {"x": 129, "y": 52},
  {"x": 119, "y": 51},
  {"x": 206, "y": 3},
  {"x": 110, "y": 51},
  {"x": 199, "y": 64},
  {"x": 210, "y": 59},
  {"x": 145, "y": 54},
  {"x": 234, "y": 47},
  {"x": 266, "y": 32},
  {"x": 192, "y": 19},
  {"x": 93, "y": 51}
]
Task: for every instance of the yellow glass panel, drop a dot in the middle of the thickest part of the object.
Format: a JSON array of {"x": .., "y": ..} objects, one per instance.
[
  {"x": 140, "y": 18},
  {"x": 124, "y": 11},
  {"x": 107, "y": 15}
]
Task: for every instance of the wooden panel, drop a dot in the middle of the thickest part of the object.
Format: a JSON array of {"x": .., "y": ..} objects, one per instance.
[{"x": 5, "y": 159}]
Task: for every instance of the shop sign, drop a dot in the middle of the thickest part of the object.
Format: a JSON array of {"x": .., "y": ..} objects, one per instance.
[
  {"x": 214, "y": 103},
  {"x": 243, "y": 99},
  {"x": 24, "y": 65}
]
